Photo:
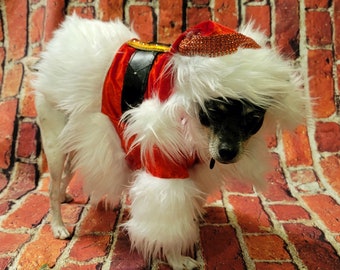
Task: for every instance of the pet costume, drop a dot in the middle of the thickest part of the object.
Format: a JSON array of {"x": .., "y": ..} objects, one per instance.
[{"x": 140, "y": 71}]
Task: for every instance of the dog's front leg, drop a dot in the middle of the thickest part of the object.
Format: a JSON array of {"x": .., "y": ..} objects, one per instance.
[{"x": 163, "y": 219}]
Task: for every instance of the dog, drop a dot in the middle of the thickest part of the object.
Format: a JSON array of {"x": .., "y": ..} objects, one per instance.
[{"x": 167, "y": 124}]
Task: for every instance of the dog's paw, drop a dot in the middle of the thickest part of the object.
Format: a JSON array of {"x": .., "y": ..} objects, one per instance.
[
  {"x": 60, "y": 232},
  {"x": 183, "y": 263}
]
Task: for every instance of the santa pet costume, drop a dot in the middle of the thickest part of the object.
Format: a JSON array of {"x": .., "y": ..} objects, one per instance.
[
  {"x": 124, "y": 114},
  {"x": 141, "y": 71}
]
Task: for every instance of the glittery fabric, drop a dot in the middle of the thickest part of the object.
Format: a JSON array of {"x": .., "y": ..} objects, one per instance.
[
  {"x": 214, "y": 46},
  {"x": 212, "y": 40}
]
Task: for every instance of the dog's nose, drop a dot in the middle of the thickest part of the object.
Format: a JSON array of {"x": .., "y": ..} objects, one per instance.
[{"x": 227, "y": 154}]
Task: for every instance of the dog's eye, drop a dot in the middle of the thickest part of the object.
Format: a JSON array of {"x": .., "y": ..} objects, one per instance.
[{"x": 254, "y": 121}]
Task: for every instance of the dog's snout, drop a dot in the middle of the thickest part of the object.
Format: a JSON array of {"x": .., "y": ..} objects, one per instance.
[{"x": 227, "y": 154}]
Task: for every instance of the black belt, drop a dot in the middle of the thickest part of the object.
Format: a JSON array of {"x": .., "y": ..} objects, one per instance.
[{"x": 136, "y": 78}]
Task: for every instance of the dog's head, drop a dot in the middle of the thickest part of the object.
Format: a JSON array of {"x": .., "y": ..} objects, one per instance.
[{"x": 230, "y": 123}]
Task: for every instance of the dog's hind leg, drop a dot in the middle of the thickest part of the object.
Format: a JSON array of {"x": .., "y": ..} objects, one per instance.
[
  {"x": 51, "y": 123},
  {"x": 65, "y": 180}
]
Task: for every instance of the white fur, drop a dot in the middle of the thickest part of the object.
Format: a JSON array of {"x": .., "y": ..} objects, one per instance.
[
  {"x": 164, "y": 216},
  {"x": 78, "y": 137}
]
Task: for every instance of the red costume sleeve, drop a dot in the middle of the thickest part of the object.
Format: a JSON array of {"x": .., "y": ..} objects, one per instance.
[{"x": 164, "y": 167}]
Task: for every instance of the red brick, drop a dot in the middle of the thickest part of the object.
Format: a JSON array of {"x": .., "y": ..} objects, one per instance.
[
  {"x": 71, "y": 213},
  {"x": 226, "y": 13},
  {"x": 277, "y": 189},
  {"x": 22, "y": 181},
  {"x": 11, "y": 242},
  {"x": 215, "y": 215},
  {"x": 200, "y": 2},
  {"x": 45, "y": 250},
  {"x": 261, "y": 16},
  {"x": 24, "y": 217},
  {"x": 318, "y": 28},
  {"x": 327, "y": 136},
  {"x": 98, "y": 220},
  {"x": 75, "y": 189},
  {"x": 260, "y": 247},
  {"x": 214, "y": 197},
  {"x": 287, "y": 26},
  {"x": 4, "y": 207},
  {"x": 297, "y": 148},
  {"x": 87, "y": 12},
  {"x": 16, "y": 11},
  {"x": 274, "y": 266},
  {"x": 277, "y": 192},
  {"x": 89, "y": 246},
  {"x": 250, "y": 214},
  {"x": 336, "y": 18},
  {"x": 234, "y": 185},
  {"x": 36, "y": 25},
  {"x": 327, "y": 209},
  {"x": 82, "y": 267},
  {"x": 170, "y": 20},
  {"x": 12, "y": 80},
  {"x": 313, "y": 249},
  {"x": 4, "y": 263},
  {"x": 123, "y": 258},
  {"x": 8, "y": 110},
  {"x": 110, "y": 10},
  {"x": 271, "y": 141},
  {"x": 321, "y": 84},
  {"x": 337, "y": 238},
  {"x": 317, "y": 3},
  {"x": 54, "y": 16},
  {"x": 3, "y": 181},
  {"x": 331, "y": 170},
  {"x": 141, "y": 19},
  {"x": 197, "y": 15},
  {"x": 220, "y": 248},
  {"x": 289, "y": 212},
  {"x": 305, "y": 180},
  {"x": 27, "y": 106},
  {"x": 27, "y": 140}
]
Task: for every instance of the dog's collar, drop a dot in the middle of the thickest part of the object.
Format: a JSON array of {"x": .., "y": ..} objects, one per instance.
[{"x": 137, "y": 72}]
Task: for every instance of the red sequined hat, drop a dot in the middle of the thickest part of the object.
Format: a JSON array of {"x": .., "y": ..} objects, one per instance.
[{"x": 211, "y": 39}]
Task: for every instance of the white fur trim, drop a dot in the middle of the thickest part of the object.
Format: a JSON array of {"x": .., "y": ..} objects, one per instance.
[
  {"x": 164, "y": 216},
  {"x": 160, "y": 124}
]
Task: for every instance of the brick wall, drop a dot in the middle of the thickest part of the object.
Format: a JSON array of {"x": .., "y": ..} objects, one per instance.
[{"x": 307, "y": 31}]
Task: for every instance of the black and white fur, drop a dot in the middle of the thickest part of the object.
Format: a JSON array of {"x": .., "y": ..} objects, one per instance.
[{"x": 216, "y": 111}]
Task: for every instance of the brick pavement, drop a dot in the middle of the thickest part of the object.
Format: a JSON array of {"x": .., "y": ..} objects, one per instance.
[{"x": 294, "y": 224}]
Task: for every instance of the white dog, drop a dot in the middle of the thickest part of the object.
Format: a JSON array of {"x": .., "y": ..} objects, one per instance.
[{"x": 154, "y": 119}]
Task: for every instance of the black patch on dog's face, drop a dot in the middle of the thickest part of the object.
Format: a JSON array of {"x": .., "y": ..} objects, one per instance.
[{"x": 231, "y": 123}]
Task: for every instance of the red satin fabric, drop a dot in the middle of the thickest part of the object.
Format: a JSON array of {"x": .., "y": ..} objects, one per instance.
[{"x": 159, "y": 84}]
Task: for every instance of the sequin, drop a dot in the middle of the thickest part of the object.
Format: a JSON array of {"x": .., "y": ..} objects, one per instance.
[{"x": 216, "y": 45}]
